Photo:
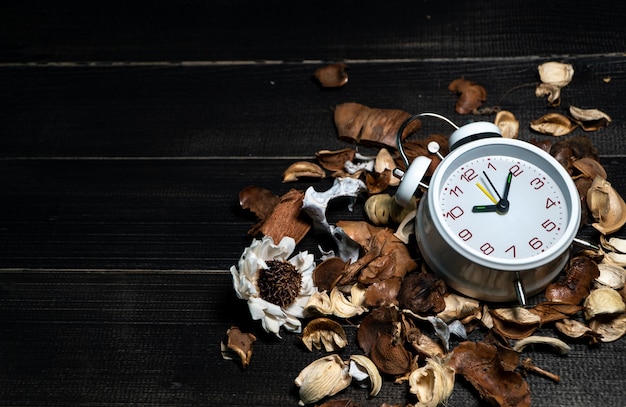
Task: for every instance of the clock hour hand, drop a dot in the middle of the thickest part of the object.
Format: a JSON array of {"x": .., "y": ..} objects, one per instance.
[{"x": 484, "y": 208}]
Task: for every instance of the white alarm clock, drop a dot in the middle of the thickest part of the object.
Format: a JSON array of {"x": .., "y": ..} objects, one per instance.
[{"x": 499, "y": 215}]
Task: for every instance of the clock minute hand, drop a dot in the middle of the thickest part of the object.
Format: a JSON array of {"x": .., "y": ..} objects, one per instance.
[{"x": 503, "y": 203}]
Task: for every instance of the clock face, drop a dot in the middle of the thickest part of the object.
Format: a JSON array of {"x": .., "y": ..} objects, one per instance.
[{"x": 505, "y": 204}]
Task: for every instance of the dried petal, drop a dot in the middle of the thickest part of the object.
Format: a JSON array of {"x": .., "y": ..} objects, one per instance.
[
  {"x": 324, "y": 332},
  {"x": 589, "y": 119},
  {"x": 323, "y": 377},
  {"x": 376, "y": 127},
  {"x": 614, "y": 244},
  {"x": 471, "y": 95},
  {"x": 611, "y": 275},
  {"x": 551, "y": 91},
  {"x": 432, "y": 384},
  {"x": 610, "y": 327},
  {"x": 332, "y": 75},
  {"x": 576, "y": 329},
  {"x": 458, "y": 307},
  {"x": 556, "y": 73},
  {"x": 553, "y": 124},
  {"x": 507, "y": 123},
  {"x": 515, "y": 323},
  {"x": 560, "y": 346},
  {"x": 303, "y": 169},
  {"x": 384, "y": 161},
  {"x": 589, "y": 167},
  {"x": 607, "y": 206},
  {"x": 363, "y": 363},
  {"x": 602, "y": 301}
]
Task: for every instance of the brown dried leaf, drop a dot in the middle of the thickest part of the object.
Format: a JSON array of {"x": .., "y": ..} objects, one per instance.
[
  {"x": 514, "y": 323},
  {"x": 418, "y": 148},
  {"x": 335, "y": 160},
  {"x": 259, "y": 201},
  {"x": 554, "y": 311},
  {"x": 332, "y": 75},
  {"x": 303, "y": 169},
  {"x": 507, "y": 123},
  {"x": 380, "y": 320},
  {"x": 422, "y": 293},
  {"x": 378, "y": 182},
  {"x": 286, "y": 219},
  {"x": 240, "y": 344},
  {"x": 471, "y": 95},
  {"x": 389, "y": 355},
  {"x": 376, "y": 127},
  {"x": 579, "y": 276},
  {"x": 481, "y": 365},
  {"x": 553, "y": 124},
  {"x": 328, "y": 272},
  {"x": 383, "y": 292}
]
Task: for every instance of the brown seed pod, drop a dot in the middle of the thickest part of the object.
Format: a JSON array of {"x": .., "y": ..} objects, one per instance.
[
  {"x": 471, "y": 95},
  {"x": 389, "y": 355},
  {"x": 580, "y": 273}
]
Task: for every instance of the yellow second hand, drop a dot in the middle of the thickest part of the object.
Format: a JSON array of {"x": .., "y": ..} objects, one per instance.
[{"x": 482, "y": 188}]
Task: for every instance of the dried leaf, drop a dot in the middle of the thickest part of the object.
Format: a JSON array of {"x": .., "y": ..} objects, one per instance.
[
  {"x": 589, "y": 119},
  {"x": 324, "y": 332},
  {"x": 515, "y": 323},
  {"x": 507, "y": 123},
  {"x": 389, "y": 355},
  {"x": 335, "y": 160},
  {"x": 239, "y": 345},
  {"x": 607, "y": 206},
  {"x": 553, "y": 124},
  {"x": 422, "y": 293},
  {"x": 328, "y": 272},
  {"x": 332, "y": 75},
  {"x": 376, "y": 127},
  {"x": 481, "y": 365},
  {"x": 303, "y": 169},
  {"x": 286, "y": 218},
  {"x": 579, "y": 275},
  {"x": 471, "y": 95}
]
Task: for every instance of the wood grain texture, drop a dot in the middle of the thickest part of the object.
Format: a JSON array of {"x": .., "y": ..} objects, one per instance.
[{"x": 128, "y": 129}]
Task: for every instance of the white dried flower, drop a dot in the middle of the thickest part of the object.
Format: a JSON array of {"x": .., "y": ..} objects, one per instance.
[{"x": 276, "y": 289}]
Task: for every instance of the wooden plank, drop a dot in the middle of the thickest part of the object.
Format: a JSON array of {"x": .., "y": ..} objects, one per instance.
[
  {"x": 147, "y": 214},
  {"x": 267, "y": 110},
  {"x": 323, "y": 30},
  {"x": 152, "y": 338}
]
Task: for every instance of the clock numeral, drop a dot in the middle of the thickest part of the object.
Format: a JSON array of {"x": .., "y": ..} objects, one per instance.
[
  {"x": 465, "y": 235},
  {"x": 469, "y": 175},
  {"x": 487, "y": 249},
  {"x": 537, "y": 183},
  {"x": 454, "y": 213},
  {"x": 550, "y": 203},
  {"x": 516, "y": 170},
  {"x": 535, "y": 243},
  {"x": 512, "y": 250},
  {"x": 548, "y": 225},
  {"x": 490, "y": 165},
  {"x": 456, "y": 191}
]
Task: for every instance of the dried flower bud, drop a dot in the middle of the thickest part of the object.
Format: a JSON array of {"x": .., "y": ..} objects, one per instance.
[
  {"x": 323, "y": 377},
  {"x": 606, "y": 205},
  {"x": 324, "y": 332},
  {"x": 432, "y": 383},
  {"x": 556, "y": 73}
]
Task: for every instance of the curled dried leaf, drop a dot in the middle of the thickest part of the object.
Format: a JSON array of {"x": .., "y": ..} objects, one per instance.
[
  {"x": 422, "y": 293},
  {"x": 515, "y": 323},
  {"x": 324, "y": 332},
  {"x": 383, "y": 319},
  {"x": 383, "y": 292},
  {"x": 507, "y": 123},
  {"x": 481, "y": 365},
  {"x": 363, "y": 364},
  {"x": 560, "y": 346},
  {"x": 432, "y": 384},
  {"x": 389, "y": 355},
  {"x": 377, "y": 127},
  {"x": 471, "y": 95},
  {"x": 579, "y": 276},
  {"x": 332, "y": 75},
  {"x": 459, "y": 307},
  {"x": 602, "y": 301},
  {"x": 553, "y": 124},
  {"x": 589, "y": 119},
  {"x": 335, "y": 160},
  {"x": 611, "y": 275},
  {"x": 554, "y": 311},
  {"x": 609, "y": 327},
  {"x": 552, "y": 92},
  {"x": 607, "y": 206},
  {"x": 239, "y": 345},
  {"x": 589, "y": 168},
  {"x": 323, "y": 377},
  {"x": 303, "y": 169},
  {"x": 556, "y": 73},
  {"x": 384, "y": 161},
  {"x": 328, "y": 272},
  {"x": 614, "y": 244},
  {"x": 576, "y": 329}
]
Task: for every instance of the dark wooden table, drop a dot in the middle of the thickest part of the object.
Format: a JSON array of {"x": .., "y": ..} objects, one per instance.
[{"x": 127, "y": 130}]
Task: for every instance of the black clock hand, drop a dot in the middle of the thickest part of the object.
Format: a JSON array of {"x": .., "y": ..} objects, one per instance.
[{"x": 502, "y": 206}]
